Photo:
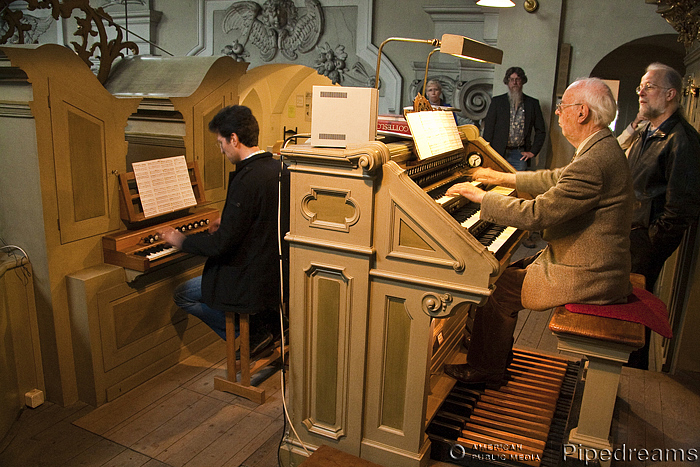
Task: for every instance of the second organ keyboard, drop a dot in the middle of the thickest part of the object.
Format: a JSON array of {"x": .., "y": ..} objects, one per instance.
[
  {"x": 453, "y": 171},
  {"x": 142, "y": 249}
]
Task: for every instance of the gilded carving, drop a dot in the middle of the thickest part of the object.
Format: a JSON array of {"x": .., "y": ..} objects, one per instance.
[{"x": 683, "y": 15}]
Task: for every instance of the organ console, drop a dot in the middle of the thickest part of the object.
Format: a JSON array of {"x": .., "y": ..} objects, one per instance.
[
  {"x": 142, "y": 249},
  {"x": 384, "y": 270},
  {"x": 66, "y": 137}
]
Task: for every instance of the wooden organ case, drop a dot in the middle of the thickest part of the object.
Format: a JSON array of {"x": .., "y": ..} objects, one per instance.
[
  {"x": 104, "y": 328},
  {"x": 382, "y": 277}
]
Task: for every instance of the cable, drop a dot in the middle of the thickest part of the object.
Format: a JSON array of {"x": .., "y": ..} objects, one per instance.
[
  {"x": 281, "y": 308},
  {"x": 21, "y": 270}
]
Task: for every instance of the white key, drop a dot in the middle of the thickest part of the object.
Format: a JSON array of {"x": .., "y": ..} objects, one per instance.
[
  {"x": 471, "y": 220},
  {"x": 501, "y": 239},
  {"x": 442, "y": 200},
  {"x": 161, "y": 253}
]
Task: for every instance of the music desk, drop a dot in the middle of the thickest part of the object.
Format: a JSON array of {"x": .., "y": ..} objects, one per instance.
[{"x": 607, "y": 343}]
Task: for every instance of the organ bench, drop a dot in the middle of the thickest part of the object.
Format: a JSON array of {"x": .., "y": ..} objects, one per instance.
[{"x": 607, "y": 343}]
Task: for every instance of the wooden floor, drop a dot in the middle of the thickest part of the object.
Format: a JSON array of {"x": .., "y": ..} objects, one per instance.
[{"x": 178, "y": 419}]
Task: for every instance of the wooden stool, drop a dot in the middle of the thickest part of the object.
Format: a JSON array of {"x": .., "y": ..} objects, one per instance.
[
  {"x": 246, "y": 367},
  {"x": 607, "y": 343}
]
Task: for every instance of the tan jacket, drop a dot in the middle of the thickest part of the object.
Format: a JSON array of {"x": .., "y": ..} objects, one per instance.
[{"x": 584, "y": 210}]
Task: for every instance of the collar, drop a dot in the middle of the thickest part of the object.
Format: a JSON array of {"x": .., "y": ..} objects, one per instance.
[
  {"x": 259, "y": 151},
  {"x": 666, "y": 126},
  {"x": 580, "y": 147}
]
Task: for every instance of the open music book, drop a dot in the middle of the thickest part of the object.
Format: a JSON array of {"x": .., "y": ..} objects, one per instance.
[
  {"x": 164, "y": 185},
  {"x": 434, "y": 132}
]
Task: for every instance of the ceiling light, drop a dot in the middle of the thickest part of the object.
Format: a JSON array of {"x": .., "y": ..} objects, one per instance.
[{"x": 496, "y": 3}]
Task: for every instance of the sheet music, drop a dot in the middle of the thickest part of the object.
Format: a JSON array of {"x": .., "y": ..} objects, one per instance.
[
  {"x": 434, "y": 132},
  {"x": 164, "y": 185}
]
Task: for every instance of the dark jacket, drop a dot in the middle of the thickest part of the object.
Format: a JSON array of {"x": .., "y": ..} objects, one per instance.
[
  {"x": 497, "y": 124},
  {"x": 242, "y": 272},
  {"x": 665, "y": 170}
]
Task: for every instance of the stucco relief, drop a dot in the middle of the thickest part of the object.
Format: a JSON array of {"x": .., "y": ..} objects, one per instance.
[{"x": 274, "y": 26}]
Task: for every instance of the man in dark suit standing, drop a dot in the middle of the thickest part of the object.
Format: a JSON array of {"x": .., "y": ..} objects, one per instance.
[{"x": 514, "y": 124}]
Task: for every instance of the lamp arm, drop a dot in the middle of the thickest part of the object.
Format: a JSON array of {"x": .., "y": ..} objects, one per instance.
[
  {"x": 433, "y": 42},
  {"x": 427, "y": 64}
]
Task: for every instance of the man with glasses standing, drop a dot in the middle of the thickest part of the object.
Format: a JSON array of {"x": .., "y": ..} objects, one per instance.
[
  {"x": 514, "y": 125},
  {"x": 665, "y": 163},
  {"x": 584, "y": 210}
]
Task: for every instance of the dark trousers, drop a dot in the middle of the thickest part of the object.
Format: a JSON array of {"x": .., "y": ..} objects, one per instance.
[
  {"x": 648, "y": 261},
  {"x": 494, "y": 324}
]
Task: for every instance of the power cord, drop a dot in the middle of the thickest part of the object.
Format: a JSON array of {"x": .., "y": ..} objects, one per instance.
[{"x": 281, "y": 309}]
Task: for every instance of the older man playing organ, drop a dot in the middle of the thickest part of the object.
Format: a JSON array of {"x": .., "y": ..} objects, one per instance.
[{"x": 584, "y": 210}]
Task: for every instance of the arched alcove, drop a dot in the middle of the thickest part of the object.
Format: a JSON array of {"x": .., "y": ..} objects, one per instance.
[
  {"x": 627, "y": 63},
  {"x": 282, "y": 93}
]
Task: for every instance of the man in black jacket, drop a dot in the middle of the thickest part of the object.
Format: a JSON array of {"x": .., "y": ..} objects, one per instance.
[
  {"x": 242, "y": 272},
  {"x": 665, "y": 165}
]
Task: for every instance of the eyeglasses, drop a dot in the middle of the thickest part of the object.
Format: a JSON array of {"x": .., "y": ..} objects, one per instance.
[
  {"x": 515, "y": 80},
  {"x": 648, "y": 87},
  {"x": 560, "y": 106}
]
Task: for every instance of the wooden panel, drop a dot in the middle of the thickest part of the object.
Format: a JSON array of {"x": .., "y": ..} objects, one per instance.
[
  {"x": 214, "y": 161},
  {"x": 213, "y": 165},
  {"x": 398, "y": 327},
  {"x": 87, "y": 164},
  {"x": 327, "y": 352},
  {"x": 133, "y": 321},
  {"x": 326, "y": 408},
  {"x": 88, "y": 146}
]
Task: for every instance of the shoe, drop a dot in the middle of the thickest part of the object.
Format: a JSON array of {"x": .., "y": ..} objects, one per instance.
[
  {"x": 529, "y": 243},
  {"x": 471, "y": 376},
  {"x": 260, "y": 342},
  {"x": 466, "y": 340}
]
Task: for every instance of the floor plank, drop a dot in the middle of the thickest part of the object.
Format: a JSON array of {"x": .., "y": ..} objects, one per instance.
[{"x": 178, "y": 419}]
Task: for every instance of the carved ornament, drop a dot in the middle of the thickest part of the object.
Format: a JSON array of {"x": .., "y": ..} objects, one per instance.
[
  {"x": 17, "y": 28},
  {"x": 276, "y": 26},
  {"x": 683, "y": 15}
]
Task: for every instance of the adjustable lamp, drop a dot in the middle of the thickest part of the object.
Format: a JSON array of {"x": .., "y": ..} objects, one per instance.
[
  {"x": 433, "y": 42},
  {"x": 453, "y": 44}
]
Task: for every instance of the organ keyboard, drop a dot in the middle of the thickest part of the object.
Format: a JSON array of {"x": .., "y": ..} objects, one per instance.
[{"x": 142, "y": 249}]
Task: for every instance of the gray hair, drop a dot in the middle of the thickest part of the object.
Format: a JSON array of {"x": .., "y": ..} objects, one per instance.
[
  {"x": 435, "y": 82},
  {"x": 672, "y": 79},
  {"x": 598, "y": 97}
]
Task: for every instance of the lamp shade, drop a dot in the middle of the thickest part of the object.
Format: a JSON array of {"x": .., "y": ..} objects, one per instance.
[
  {"x": 464, "y": 47},
  {"x": 496, "y": 3}
]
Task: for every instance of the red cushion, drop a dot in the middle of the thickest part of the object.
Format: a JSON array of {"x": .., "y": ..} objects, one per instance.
[{"x": 641, "y": 307}]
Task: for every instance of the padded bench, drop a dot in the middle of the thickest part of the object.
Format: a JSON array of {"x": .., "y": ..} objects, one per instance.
[{"x": 607, "y": 343}]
